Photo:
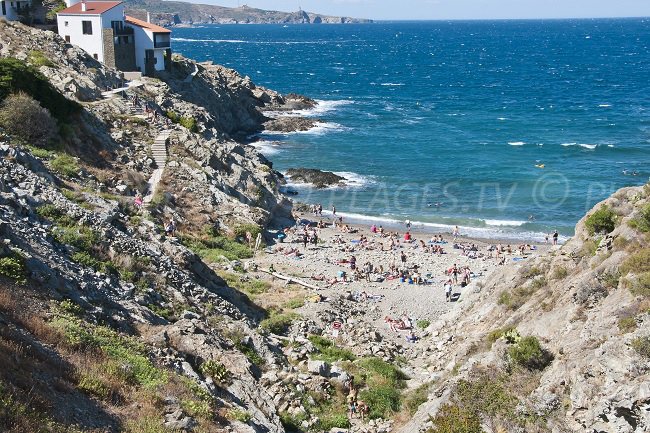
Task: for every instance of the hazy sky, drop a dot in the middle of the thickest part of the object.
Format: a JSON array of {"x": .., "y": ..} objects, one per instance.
[{"x": 453, "y": 9}]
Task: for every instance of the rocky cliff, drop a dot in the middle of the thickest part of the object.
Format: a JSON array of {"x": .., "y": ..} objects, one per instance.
[
  {"x": 561, "y": 343},
  {"x": 173, "y": 12},
  {"x": 113, "y": 319}
]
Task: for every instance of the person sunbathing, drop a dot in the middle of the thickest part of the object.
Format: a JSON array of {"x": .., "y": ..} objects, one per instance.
[{"x": 319, "y": 277}]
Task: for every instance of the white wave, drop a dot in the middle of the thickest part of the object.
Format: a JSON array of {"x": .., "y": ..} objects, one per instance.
[
  {"x": 501, "y": 223},
  {"x": 217, "y": 41},
  {"x": 355, "y": 179},
  {"x": 516, "y": 143},
  {"x": 495, "y": 233},
  {"x": 502, "y": 118},
  {"x": 322, "y": 107},
  {"x": 588, "y": 146},
  {"x": 610, "y": 145},
  {"x": 266, "y": 147},
  {"x": 604, "y": 105},
  {"x": 568, "y": 144},
  {"x": 352, "y": 180},
  {"x": 392, "y": 84}
]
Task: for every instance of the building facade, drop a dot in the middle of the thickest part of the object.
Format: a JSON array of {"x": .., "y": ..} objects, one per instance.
[
  {"x": 11, "y": 10},
  {"x": 102, "y": 29}
]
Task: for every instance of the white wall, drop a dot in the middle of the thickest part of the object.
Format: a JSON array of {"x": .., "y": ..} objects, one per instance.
[
  {"x": 144, "y": 41},
  {"x": 114, "y": 14},
  {"x": 92, "y": 44},
  {"x": 10, "y": 9}
]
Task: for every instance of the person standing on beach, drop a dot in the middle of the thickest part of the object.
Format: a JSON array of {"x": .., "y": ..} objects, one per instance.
[
  {"x": 456, "y": 232},
  {"x": 454, "y": 273},
  {"x": 408, "y": 225},
  {"x": 333, "y": 210},
  {"x": 555, "y": 236},
  {"x": 448, "y": 291}
]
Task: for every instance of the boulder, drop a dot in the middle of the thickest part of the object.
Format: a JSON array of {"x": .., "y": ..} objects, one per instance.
[
  {"x": 321, "y": 368},
  {"x": 318, "y": 178}
]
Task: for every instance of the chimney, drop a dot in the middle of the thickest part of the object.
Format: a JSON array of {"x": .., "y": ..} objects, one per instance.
[
  {"x": 83, "y": 5},
  {"x": 148, "y": 17}
]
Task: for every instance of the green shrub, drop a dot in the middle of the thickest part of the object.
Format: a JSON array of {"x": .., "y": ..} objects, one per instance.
[
  {"x": 641, "y": 285},
  {"x": 70, "y": 307},
  {"x": 23, "y": 117},
  {"x": 294, "y": 303},
  {"x": 383, "y": 400},
  {"x": 487, "y": 395},
  {"x": 211, "y": 250},
  {"x": 65, "y": 165},
  {"x": 626, "y": 324},
  {"x": 82, "y": 238},
  {"x": 379, "y": 367},
  {"x": 328, "y": 351},
  {"x": 423, "y": 323},
  {"x": 637, "y": 263},
  {"x": 239, "y": 415},
  {"x": 189, "y": 123},
  {"x": 197, "y": 408},
  {"x": 83, "y": 258},
  {"x": 642, "y": 346},
  {"x": 250, "y": 286},
  {"x": 602, "y": 220},
  {"x": 134, "y": 364},
  {"x": 292, "y": 423},
  {"x": 217, "y": 371},
  {"x": 529, "y": 353},
  {"x": 610, "y": 279},
  {"x": 560, "y": 273},
  {"x": 335, "y": 420},
  {"x": 14, "y": 267},
  {"x": 16, "y": 76},
  {"x": 498, "y": 333},
  {"x": 415, "y": 398},
  {"x": 642, "y": 222},
  {"x": 278, "y": 323},
  {"x": 455, "y": 419},
  {"x": 240, "y": 230},
  {"x": 253, "y": 356},
  {"x": 173, "y": 116},
  {"x": 38, "y": 58},
  {"x": 93, "y": 385}
]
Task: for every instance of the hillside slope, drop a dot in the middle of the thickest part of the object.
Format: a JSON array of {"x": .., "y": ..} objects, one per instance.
[{"x": 588, "y": 305}]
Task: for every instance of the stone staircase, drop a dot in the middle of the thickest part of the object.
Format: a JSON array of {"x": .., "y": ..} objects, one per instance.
[
  {"x": 159, "y": 148},
  {"x": 159, "y": 154}
]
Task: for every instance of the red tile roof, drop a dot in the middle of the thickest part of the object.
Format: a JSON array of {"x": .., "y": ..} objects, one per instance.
[
  {"x": 145, "y": 25},
  {"x": 92, "y": 8}
]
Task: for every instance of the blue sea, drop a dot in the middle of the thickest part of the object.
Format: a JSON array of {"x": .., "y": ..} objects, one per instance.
[{"x": 506, "y": 128}]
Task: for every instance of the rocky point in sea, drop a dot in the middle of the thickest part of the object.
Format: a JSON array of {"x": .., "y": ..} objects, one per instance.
[{"x": 315, "y": 177}]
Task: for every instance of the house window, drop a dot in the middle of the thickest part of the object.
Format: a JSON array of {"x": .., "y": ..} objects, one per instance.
[
  {"x": 95, "y": 56},
  {"x": 87, "y": 27},
  {"x": 4, "y": 8},
  {"x": 67, "y": 38},
  {"x": 65, "y": 23},
  {"x": 117, "y": 25}
]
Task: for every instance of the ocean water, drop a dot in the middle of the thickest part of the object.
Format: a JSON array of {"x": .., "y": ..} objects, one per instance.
[{"x": 506, "y": 128}]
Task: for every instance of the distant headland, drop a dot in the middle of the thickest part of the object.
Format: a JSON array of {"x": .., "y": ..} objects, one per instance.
[{"x": 183, "y": 13}]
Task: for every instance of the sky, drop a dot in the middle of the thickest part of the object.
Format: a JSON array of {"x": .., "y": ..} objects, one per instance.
[{"x": 453, "y": 9}]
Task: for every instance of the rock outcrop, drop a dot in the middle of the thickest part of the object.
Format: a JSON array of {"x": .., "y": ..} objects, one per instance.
[{"x": 317, "y": 178}]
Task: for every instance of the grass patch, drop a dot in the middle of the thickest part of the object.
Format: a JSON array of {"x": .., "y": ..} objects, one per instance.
[
  {"x": 211, "y": 249},
  {"x": 452, "y": 418},
  {"x": 136, "y": 367},
  {"x": 328, "y": 351},
  {"x": 384, "y": 384},
  {"x": 239, "y": 415},
  {"x": 250, "y": 286},
  {"x": 65, "y": 165},
  {"x": 495, "y": 334},
  {"x": 626, "y": 324},
  {"x": 560, "y": 273},
  {"x": 642, "y": 221},
  {"x": 294, "y": 303},
  {"x": 278, "y": 323},
  {"x": 416, "y": 397},
  {"x": 38, "y": 58}
]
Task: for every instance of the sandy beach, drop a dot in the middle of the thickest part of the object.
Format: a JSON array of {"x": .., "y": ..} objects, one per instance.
[{"x": 383, "y": 294}]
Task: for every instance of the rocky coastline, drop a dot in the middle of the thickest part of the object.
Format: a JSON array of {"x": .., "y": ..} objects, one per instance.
[{"x": 188, "y": 311}]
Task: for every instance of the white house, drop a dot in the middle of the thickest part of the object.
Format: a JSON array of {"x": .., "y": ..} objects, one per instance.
[
  {"x": 152, "y": 46},
  {"x": 10, "y": 10},
  {"x": 83, "y": 24},
  {"x": 103, "y": 30}
]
